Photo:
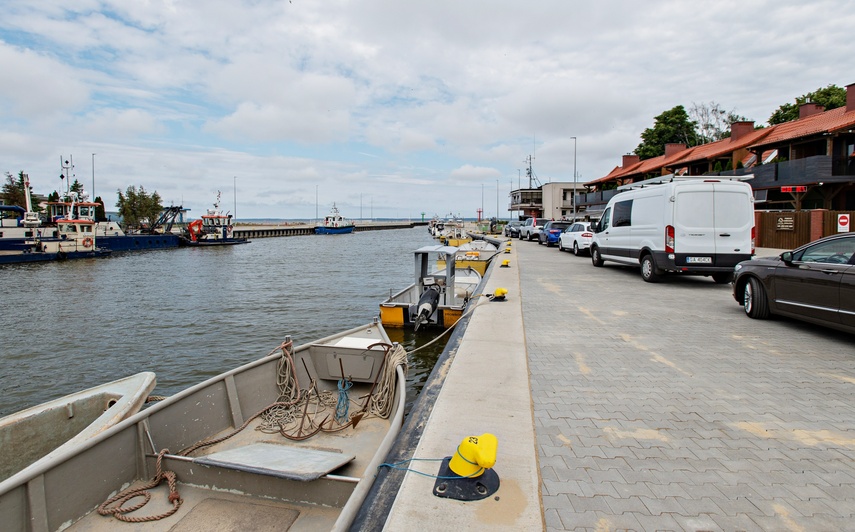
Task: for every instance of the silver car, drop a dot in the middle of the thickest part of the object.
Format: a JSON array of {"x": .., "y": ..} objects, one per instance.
[{"x": 577, "y": 238}]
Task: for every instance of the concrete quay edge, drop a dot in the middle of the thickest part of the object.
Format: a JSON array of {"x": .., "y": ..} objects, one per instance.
[{"x": 487, "y": 390}]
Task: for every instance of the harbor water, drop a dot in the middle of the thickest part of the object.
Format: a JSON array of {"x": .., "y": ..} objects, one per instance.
[{"x": 188, "y": 314}]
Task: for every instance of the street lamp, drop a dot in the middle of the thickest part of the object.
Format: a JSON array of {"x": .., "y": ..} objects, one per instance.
[
  {"x": 235, "y": 192},
  {"x": 93, "y": 177},
  {"x": 574, "y": 178}
]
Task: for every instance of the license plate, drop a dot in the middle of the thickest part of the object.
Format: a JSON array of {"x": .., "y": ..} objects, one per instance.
[{"x": 698, "y": 260}]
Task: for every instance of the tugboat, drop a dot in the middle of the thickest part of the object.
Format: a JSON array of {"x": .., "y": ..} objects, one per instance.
[
  {"x": 214, "y": 229},
  {"x": 334, "y": 224},
  {"x": 73, "y": 238}
]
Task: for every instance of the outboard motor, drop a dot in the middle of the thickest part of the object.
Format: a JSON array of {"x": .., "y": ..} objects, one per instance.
[{"x": 424, "y": 309}]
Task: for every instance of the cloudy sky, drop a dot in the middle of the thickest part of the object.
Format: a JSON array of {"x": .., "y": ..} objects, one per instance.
[{"x": 388, "y": 108}]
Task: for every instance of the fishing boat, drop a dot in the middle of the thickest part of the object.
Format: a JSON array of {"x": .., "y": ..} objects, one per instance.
[
  {"x": 334, "y": 224},
  {"x": 454, "y": 234},
  {"x": 213, "y": 229},
  {"x": 50, "y": 430},
  {"x": 291, "y": 441},
  {"x": 476, "y": 254},
  {"x": 438, "y": 297}
]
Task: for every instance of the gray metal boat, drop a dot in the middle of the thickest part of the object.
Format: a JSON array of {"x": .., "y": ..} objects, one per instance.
[{"x": 289, "y": 442}]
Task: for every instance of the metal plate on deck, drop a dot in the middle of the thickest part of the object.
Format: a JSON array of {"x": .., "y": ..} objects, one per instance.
[{"x": 294, "y": 463}]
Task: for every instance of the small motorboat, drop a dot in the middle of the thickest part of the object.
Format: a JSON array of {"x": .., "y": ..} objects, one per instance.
[
  {"x": 476, "y": 254},
  {"x": 438, "y": 297},
  {"x": 290, "y": 441},
  {"x": 57, "y": 428}
]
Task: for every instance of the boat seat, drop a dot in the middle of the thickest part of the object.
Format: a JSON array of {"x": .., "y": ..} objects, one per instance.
[{"x": 293, "y": 463}]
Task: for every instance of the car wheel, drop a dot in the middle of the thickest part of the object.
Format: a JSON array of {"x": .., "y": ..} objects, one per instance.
[
  {"x": 560, "y": 247},
  {"x": 576, "y": 248},
  {"x": 722, "y": 278},
  {"x": 648, "y": 269},
  {"x": 754, "y": 301},
  {"x": 596, "y": 258}
]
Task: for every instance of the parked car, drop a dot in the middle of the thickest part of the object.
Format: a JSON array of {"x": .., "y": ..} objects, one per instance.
[
  {"x": 814, "y": 283},
  {"x": 512, "y": 229},
  {"x": 577, "y": 238},
  {"x": 531, "y": 227},
  {"x": 691, "y": 226},
  {"x": 551, "y": 231}
]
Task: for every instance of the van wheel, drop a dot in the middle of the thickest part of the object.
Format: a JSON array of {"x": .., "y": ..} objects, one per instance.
[
  {"x": 722, "y": 278},
  {"x": 648, "y": 269},
  {"x": 754, "y": 301},
  {"x": 596, "y": 258}
]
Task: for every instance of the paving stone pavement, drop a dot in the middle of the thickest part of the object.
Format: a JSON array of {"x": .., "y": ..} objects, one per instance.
[{"x": 663, "y": 407}]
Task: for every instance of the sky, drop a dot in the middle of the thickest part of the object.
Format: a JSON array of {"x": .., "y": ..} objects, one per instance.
[{"x": 387, "y": 108}]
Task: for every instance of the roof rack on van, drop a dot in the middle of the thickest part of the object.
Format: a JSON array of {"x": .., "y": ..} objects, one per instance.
[{"x": 671, "y": 177}]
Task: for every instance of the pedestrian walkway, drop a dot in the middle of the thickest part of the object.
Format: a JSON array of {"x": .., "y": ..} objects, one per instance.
[{"x": 663, "y": 407}]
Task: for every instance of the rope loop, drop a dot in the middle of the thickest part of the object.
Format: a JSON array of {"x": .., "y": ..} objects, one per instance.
[{"x": 119, "y": 511}]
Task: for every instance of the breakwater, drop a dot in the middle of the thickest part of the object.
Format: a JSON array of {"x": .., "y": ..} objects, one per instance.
[{"x": 269, "y": 231}]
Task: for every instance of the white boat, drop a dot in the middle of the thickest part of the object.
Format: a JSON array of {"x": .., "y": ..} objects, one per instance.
[
  {"x": 56, "y": 428},
  {"x": 215, "y": 228},
  {"x": 476, "y": 254},
  {"x": 438, "y": 297},
  {"x": 291, "y": 441}
]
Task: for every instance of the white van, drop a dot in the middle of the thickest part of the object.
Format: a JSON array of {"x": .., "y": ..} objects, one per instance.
[{"x": 688, "y": 225}]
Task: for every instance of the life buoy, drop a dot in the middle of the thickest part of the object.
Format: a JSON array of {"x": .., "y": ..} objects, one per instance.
[{"x": 87, "y": 242}]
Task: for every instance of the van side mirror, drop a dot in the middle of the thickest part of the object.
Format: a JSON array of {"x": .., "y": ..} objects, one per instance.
[
  {"x": 787, "y": 257},
  {"x": 595, "y": 227}
]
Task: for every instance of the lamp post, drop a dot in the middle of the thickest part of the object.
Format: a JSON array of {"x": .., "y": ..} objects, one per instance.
[
  {"x": 235, "y": 192},
  {"x": 574, "y": 178},
  {"x": 93, "y": 177}
]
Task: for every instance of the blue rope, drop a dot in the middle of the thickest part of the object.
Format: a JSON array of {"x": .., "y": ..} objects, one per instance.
[
  {"x": 342, "y": 407},
  {"x": 397, "y": 464}
]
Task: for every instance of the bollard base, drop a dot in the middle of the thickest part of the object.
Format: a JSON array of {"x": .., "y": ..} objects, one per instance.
[{"x": 452, "y": 486}]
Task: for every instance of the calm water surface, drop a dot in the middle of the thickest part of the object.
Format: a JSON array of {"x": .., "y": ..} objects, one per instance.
[{"x": 189, "y": 314}]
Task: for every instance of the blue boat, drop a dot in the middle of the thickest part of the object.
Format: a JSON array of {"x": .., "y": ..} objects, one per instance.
[{"x": 334, "y": 224}]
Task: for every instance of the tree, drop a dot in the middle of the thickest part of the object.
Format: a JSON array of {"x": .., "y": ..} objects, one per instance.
[
  {"x": 672, "y": 126},
  {"x": 712, "y": 121},
  {"x": 100, "y": 211},
  {"x": 13, "y": 190},
  {"x": 831, "y": 97},
  {"x": 137, "y": 207}
]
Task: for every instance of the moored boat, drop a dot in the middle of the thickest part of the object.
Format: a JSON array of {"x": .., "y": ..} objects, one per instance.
[
  {"x": 334, "y": 224},
  {"x": 290, "y": 441},
  {"x": 213, "y": 229},
  {"x": 437, "y": 297},
  {"x": 44, "y": 432},
  {"x": 476, "y": 254}
]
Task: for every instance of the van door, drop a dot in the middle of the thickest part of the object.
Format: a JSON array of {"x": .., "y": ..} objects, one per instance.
[
  {"x": 694, "y": 224},
  {"x": 734, "y": 219}
]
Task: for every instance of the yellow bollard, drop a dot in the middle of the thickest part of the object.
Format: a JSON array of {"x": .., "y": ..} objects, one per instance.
[
  {"x": 499, "y": 294},
  {"x": 506, "y": 263},
  {"x": 474, "y": 454},
  {"x": 469, "y": 474}
]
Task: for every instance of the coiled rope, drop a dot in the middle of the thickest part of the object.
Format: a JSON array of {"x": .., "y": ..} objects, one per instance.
[{"x": 126, "y": 495}]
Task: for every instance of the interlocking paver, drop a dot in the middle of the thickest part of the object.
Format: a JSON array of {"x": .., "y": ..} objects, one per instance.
[{"x": 662, "y": 407}]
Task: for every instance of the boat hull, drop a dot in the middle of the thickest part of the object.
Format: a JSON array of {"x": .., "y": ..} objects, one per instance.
[
  {"x": 47, "y": 431},
  {"x": 320, "y": 230}
]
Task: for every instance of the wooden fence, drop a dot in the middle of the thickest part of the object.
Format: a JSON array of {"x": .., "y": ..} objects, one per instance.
[{"x": 789, "y": 230}]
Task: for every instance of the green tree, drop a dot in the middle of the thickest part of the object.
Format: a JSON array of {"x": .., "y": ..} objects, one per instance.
[
  {"x": 100, "y": 211},
  {"x": 830, "y": 97},
  {"x": 138, "y": 208},
  {"x": 13, "y": 190},
  {"x": 672, "y": 126}
]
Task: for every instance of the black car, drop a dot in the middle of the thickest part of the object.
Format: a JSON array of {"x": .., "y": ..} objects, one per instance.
[
  {"x": 815, "y": 283},
  {"x": 512, "y": 229}
]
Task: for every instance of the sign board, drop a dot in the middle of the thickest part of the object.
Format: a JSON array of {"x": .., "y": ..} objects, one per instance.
[
  {"x": 794, "y": 189},
  {"x": 843, "y": 221},
  {"x": 786, "y": 223}
]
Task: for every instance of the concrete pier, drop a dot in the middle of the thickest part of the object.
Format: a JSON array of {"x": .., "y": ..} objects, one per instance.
[
  {"x": 625, "y": 405},
  {"x": 269, "y": 231}
]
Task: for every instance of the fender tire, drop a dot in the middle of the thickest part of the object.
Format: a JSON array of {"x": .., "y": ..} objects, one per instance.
[
  {"x": 754, "y": 301},
  {"x": 648, "y": 269},
  {"x": 596, "y": 258}
]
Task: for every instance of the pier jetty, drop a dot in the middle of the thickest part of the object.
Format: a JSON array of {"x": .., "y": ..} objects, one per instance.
[
  {"x": 254, "y": 231},
  {"x": 625, "y": 405}
]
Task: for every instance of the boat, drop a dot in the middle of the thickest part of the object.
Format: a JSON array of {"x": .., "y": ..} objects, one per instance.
[
  {"x": 292, "y": 441},
  {"x": 453, "y": 233},
  {"x": 74, "y": 236},
  {"x": 213, "y": 229},
  {"x": 334, "y": 224},
  {"x": 476, "y": 254},
  {"x": 42, "y": 433},
  {"x": 437, "y": 297}
]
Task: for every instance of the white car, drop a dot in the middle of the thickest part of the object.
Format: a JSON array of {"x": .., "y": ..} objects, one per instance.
[{"x": 577, "y": 238}]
